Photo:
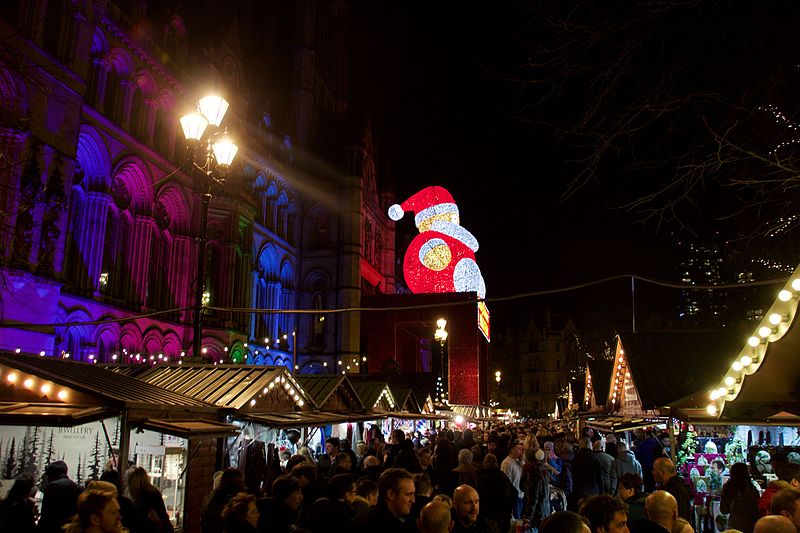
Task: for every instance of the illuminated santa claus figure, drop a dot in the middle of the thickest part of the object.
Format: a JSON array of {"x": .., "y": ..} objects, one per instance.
[{"x": 442, "y": 257}]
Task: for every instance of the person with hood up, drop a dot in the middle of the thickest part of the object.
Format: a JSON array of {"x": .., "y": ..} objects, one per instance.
[
  {"x": 626, "y": 461},
  {"x": 537, "y": 489}
]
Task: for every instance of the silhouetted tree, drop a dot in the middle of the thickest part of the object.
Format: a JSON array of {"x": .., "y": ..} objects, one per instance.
[
  {"x": 10, "y": 461},
  {"x": 95, "y": 467},
  {"x": 79, "y": 471},
  {"x": 681, "y": 112}
]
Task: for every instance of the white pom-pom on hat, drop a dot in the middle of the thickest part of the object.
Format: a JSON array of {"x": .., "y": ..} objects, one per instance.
[{"x": 396, "y": 212}]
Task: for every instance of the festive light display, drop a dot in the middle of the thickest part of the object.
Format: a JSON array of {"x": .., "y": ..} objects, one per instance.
[
  {"x": 620, "y": 379},
  {"x": 773, "y": 327},
  {"x": 587, "y": 395},
  {"x": 442, "y": 257}
]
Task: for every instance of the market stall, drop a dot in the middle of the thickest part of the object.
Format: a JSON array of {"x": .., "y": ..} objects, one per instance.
[
  {"x": 464, "y": 416},
  {"x": 251, "y": 395},
  {"x": 750, "y": 411},
  {"x": 378, "y": 399},
  {"x": 334, "y": 394},
  {"x": 93, "y": 419}
]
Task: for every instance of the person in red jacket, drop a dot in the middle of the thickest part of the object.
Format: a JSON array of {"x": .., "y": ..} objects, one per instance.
[{"x": 788, "y": 478}]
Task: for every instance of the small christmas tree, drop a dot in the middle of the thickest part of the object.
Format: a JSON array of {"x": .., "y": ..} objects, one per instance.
[
  {"x": 688, "y": 448},
  {"x": 734, "y": 450}
]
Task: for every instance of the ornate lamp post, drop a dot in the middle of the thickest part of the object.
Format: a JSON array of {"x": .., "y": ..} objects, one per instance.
[{"x": 211, "y": 152}]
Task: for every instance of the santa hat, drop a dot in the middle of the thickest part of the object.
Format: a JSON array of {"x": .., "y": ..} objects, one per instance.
[{"x": 426, "y": 203}]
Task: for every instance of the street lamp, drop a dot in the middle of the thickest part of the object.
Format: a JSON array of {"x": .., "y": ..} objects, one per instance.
[
  {"x": 442, "y": 385},
  {"x": 219, "y": 149},
  {"x": 497, "y": 377}
]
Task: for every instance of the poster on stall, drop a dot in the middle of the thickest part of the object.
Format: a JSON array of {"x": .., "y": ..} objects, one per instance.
[{"x": 26, "y": 451}]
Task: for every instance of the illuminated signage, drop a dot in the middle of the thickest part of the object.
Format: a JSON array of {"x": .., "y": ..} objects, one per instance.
[{"x": 483, "y": 320}]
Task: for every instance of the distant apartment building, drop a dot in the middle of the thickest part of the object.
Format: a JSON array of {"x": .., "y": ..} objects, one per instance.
[{"x": 725, "y": 265}]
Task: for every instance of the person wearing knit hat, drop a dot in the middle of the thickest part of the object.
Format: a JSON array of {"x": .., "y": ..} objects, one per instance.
[{"x": 442, "y": 257}]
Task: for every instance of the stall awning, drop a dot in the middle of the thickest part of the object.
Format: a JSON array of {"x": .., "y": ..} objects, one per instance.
[
  {"x": 298, "y": 420},
  {"x": 473, "y": 412},
  {"x": 610, "y": 424},
  {"x": 330, "y": 392},
  {"x": 227, "y": 386},
  {"x": 51, "y": 415},
  {"x": 94, "y": 384},
  {"x": 419, "y": 416},
  {"x": 191, "y": 428}
]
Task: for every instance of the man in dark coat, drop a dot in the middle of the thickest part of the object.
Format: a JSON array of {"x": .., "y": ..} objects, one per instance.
[
  {"x": 587, "y": 474},
  {"x": 647, "y": 452},
  {"x": 466, "y": 513},
  {"x": 395, "y": 498},
  {"x": 665, "y": 475},
  {"x": 60, "y": 500},
  {"x": 497, "y": 494}
]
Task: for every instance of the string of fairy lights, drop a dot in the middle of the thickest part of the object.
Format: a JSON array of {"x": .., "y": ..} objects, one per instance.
[
  {"x": 781, "y": 118},
  {"x": 773, "y": 327},
  {"x": 130, "y": 356}
]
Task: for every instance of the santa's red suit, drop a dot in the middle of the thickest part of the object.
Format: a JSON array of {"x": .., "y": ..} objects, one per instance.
[{"x": 442, "y": 257}]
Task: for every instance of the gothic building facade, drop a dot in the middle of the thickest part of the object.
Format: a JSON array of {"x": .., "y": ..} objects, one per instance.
[
  {"x": 100, "y": 208},
  {"x": 536, "y": 363}
]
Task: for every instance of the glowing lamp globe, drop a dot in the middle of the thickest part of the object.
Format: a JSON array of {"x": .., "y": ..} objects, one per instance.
[
  {"x": 224, "y": 151},
  {"x": 193, "y": 124},
  {"x": 213, "y": 108}
]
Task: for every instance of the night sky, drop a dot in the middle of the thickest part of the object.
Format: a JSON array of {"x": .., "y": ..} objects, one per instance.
[
  {"x": 435, "y": 78},
  {"x": 432, "y": 76}
]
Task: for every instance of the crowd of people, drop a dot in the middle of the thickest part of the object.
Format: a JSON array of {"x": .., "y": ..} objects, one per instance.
[
  {"x": 102, "y": 506},
  {"x": 516, "y": 478}
]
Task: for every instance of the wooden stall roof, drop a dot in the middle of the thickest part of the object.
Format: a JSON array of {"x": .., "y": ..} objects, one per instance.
[
  {"x": 668, "y": 365},
  {"x": 600, "y": 370},
  {"x": 298, "y": 420},
  {"x": 321, "y": 388},
  {"x": 771, "y": 395},
  {"x": 228, "y": 386},
  {"x": 51, "y": 414},
  {"x": 406, "y": 399},
  {"x": 610, "y": 423},
  {"x": 370, "y": 392},
  {"x": 110, "y": 389},
  {"x": 191, "y": 428}
]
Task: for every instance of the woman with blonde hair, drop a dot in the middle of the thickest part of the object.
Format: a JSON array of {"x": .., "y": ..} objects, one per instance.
[
  {"x": 147, "y": 501},
  {"x": 531, "y": 442}
]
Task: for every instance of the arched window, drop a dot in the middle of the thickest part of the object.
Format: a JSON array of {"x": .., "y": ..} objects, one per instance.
[
  {"x": 57, "y": 35},
  {"x": 161, "y": 132},
  {"x": 139, "y": 115},
  {"x": 76, "y": 271},
  {"x": 159, "y": 295},
  {"x": 283, "y": 215},
  {"x": 119, "y": 275},
  {"x": 112, "y": 104},
  {"x": 270, "y": 210}
]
